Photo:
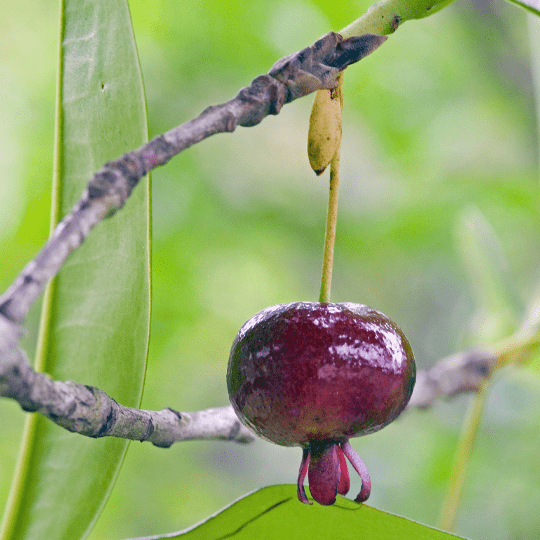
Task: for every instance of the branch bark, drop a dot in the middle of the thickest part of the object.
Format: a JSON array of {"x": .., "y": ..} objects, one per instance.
[
  {"x": 457, "y": 374},
  {"x": 89, "y": 410}
]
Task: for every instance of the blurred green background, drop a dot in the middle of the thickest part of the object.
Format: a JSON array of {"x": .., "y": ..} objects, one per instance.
[{"x": 439, "y": 133}]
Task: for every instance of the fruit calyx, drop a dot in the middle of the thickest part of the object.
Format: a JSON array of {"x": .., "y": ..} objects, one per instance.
[{"x": 326, "y": 468}]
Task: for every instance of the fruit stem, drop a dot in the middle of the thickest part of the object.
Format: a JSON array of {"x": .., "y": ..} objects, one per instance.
[
  {"x": 463, "y": 455},
  {"x": 384, "y": 16},
  {"x": 331, "y": 220},
  {"x": 331, "y": 216}
]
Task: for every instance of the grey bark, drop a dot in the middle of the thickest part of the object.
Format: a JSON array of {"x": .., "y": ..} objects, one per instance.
[{"x": 88, "y": 410}]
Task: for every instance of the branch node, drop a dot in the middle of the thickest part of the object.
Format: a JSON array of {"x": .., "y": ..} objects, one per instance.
[{"x": 176, "y": 413}]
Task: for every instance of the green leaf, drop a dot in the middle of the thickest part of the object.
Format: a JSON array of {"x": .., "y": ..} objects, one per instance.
[
  {"x": 533, "y": 360},
  {"x": 497, "y": 301},
  {"x": 274, "y": 512},
  {"x": 530, "y": 5},
  {"x": 531, "y": 323},
  {"x": 95, "y": 318},
  {"x": 529, "y": 334}
]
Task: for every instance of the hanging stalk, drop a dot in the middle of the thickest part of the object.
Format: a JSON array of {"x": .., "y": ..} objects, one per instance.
[
  {"x": 331, "y": 220},
  {"x": 324, "y": 144}
]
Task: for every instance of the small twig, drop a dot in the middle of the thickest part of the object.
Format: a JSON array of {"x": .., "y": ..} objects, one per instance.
[
  {"x": 451, "y": 376},
  {"x": 91, "y": 412},
  {"x": 385, "y": 16},
  {"x": 471, "y": 425}
]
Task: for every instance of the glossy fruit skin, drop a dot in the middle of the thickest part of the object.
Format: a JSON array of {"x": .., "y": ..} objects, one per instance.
[{"x": 306, "y": 372}]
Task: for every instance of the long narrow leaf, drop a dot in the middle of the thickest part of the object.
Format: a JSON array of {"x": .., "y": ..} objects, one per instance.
[
  {"x": 532, "y": 317},
  {"x": 498, "y": 304},
  {"x": 95, "y": 321}
]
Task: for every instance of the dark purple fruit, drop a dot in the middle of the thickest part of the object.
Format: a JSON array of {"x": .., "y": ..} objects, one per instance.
[{"x": 314, "y": 375}]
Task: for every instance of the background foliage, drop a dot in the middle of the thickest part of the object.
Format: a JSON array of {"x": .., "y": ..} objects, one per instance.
[{"x": 439, "y": 126}]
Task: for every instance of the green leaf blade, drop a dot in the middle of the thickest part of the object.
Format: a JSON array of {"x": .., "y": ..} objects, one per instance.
[
  {"x": 274, "y": 512},
  {"x": 497, "y": 301},
  {"x": 95, "y": 320}
]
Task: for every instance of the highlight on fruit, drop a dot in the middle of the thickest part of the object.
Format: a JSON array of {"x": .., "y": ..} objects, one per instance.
[{"x": 316, "y": 374}]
